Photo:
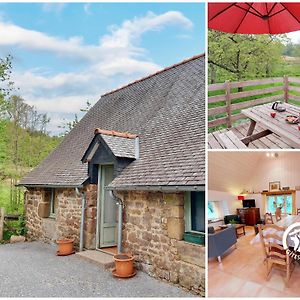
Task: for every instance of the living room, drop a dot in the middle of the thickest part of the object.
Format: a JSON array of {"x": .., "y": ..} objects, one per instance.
[{"x": 245, "y": 189}]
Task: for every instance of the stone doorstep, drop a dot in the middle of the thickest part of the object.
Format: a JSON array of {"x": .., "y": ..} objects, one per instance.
[{"x": 100, "y": 258}]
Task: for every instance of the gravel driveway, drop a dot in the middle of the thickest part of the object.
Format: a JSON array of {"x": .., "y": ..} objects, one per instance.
[{"x": 33, "y": 270}]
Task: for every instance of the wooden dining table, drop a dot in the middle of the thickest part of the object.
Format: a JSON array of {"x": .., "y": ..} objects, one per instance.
[
  {"x": 262, "y": 115},
  {"x": 285, "y": 222}
]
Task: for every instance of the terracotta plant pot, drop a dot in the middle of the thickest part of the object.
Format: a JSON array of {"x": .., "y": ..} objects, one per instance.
[
  {"x": 65, "y": 246},
  {"x": 124, "y": 265}
]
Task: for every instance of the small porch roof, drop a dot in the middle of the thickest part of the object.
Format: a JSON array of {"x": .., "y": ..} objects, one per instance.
[{"x": 120, "y": 144}]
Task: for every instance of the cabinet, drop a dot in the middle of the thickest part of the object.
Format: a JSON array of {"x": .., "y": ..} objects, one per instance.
[{"x": 249, "y": 216}]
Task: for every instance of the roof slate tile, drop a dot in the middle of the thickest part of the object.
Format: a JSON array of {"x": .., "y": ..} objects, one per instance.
[{"x": 166, "y": 111}]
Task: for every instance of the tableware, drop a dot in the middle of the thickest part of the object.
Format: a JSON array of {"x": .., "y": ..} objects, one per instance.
[{"x": 292, "y": 119}]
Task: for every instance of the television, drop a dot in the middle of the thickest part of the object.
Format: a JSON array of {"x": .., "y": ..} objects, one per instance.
[{"x": 249, "y": 203}]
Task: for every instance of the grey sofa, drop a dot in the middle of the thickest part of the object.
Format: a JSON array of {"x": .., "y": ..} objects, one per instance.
[{"x": 219, "y": 242}]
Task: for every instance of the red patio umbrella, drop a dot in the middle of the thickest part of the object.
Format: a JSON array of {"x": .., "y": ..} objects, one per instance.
[{"x": 254, "y": 17}]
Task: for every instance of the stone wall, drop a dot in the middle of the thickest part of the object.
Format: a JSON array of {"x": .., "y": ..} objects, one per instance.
[
  {"x": 34, "y": 223},
  {"x": 153, "y": 228},
  {"x": 66, "y": 223},
  {"x": 90, "y": 217},
  {"x": 68, "y": 215},
  {"x": 152, "y": 231}
]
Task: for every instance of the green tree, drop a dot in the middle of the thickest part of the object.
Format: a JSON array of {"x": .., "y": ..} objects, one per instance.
[
  {"x": 242, "y": 56},
  {"x": 67, "y": 126},
  {"x": 5, "y": 83}
]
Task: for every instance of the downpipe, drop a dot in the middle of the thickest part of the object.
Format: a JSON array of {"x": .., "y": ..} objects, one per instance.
[
  {"x": 83, "y": 201},
  {"x": 120, "y": 220}
]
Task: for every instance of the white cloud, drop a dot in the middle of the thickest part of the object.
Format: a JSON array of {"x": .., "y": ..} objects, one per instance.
[
  {"x": 87, "y": 8},
  {"x": 13, "y": 35},
  {"x": 120, "y": 40},
  {"x": 116, "y": 60},
  {"x": 131, "y": 30},
  {"x": 184, "y": 36},
  {"x": 53, "y": 7}
]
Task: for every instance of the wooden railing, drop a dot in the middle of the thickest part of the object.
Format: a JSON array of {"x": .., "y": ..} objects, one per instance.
[
  {"x": 231, "y": 96},
  {"x": 5, "y": 217}
]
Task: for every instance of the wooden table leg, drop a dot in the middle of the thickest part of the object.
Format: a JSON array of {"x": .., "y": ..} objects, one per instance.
[
  {"x": 250, "y": 130},
  {"x": 251, "y": 127}
]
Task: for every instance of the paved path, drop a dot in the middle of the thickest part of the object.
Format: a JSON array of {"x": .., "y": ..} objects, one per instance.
[{"x": 33, "y": 270}]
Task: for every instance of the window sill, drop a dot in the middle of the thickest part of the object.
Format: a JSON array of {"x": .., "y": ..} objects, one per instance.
[{"x": 194, "y": 238}]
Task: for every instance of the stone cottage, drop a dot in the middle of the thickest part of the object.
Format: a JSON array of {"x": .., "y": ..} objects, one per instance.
[{"x": 132, "y": 173}]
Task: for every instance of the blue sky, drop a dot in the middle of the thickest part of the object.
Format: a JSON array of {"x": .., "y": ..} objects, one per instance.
[{"x": 66, "y": 54}]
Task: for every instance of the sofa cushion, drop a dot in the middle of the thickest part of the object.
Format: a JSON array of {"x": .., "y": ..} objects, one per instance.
[{"x": 211, "y": 229}]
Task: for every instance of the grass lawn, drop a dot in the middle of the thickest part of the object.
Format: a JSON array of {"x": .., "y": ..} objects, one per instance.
[
  {"x": 5, "y": 200},
  {"x": 11, "y": 227}
]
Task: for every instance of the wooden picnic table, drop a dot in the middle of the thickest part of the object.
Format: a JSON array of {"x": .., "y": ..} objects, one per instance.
[{"x": 262, "y": 115}]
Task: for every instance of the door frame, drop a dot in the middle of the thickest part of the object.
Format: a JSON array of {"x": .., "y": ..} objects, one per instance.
[{"x": 98, "y": 215}]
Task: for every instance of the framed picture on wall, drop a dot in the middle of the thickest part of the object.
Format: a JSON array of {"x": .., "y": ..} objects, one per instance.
[{"x": 274, "y": 186}]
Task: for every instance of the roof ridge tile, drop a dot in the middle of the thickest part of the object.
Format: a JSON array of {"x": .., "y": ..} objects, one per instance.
[
  {"x": 115, "y": 133},
  {"x": 156, "y": 73}
]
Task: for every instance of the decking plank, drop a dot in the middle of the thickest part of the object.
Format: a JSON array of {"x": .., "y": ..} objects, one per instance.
[
  {"x": 228, "y": 143},
  {"x": 213, "y": 143},
  {"x": 272, "y": 141}
]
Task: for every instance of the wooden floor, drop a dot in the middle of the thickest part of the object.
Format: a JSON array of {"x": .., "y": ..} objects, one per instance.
[
  {"x": 271, "y": 141},
  {"x": 242, "y": 273}
]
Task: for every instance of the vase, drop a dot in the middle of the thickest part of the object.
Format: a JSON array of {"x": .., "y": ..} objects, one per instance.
[
  {"x": 124, "y": 266},
  {"x": 65, "y": 246}
]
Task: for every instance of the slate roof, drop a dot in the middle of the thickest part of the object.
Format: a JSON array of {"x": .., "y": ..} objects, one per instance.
[
  {"x": 166, "y": 110},
  {"x": 120, "y": 147}
]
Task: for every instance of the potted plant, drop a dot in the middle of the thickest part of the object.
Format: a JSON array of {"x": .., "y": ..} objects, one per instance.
[
  {"x": 65, "y": 247},
  {"x": 124, "y": 266}
]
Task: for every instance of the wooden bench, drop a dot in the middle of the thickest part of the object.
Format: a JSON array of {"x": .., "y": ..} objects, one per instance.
[{"x": 231, "y": 141}]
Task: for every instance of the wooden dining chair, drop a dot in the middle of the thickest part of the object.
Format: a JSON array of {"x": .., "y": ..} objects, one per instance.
[
  {"x": 298, "y": 211},
  {"x": 275, "y": 254},
  {"x": 269, "y": 218},
  {"x": 278, "y": 214}
]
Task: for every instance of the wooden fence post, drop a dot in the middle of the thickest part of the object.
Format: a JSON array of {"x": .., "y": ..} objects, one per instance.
[
  {"x": 228, "y": 102},
  {"x": 2, "y": 212},
  {"x": 286, "y": 88}
]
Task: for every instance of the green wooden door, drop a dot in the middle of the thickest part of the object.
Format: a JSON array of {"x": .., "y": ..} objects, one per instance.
[{"x": 108, "y": 209}]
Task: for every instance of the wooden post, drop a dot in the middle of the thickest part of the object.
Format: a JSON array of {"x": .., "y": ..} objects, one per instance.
[
  {"x": 2, "y": 211},
  {"x": 228, "y": 103},
  {"x": 286, "y": 88}
]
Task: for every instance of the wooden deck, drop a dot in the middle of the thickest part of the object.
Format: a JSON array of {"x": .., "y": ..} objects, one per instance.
[{"x": 271, "y": 141}]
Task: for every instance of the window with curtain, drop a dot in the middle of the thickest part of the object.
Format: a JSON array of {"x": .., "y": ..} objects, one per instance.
[{"x": 285, "y": 202}]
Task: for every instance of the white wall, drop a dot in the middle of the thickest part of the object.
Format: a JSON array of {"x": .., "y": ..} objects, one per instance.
[
  {"x": 285, "y": 168},
  {"x": 229, "y": 202}
]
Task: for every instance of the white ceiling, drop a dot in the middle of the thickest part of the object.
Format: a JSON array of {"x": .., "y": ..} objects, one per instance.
[{"x": 233, "y": 171}]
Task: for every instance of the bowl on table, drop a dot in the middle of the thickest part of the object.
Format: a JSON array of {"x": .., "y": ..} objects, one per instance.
[{"x": 292, "y": 119}]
